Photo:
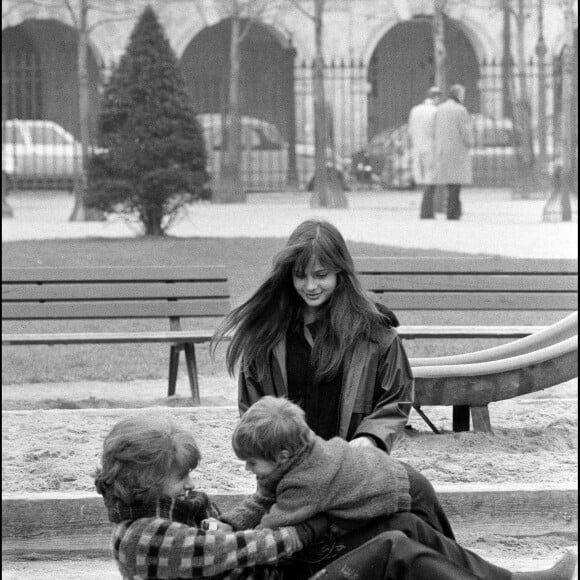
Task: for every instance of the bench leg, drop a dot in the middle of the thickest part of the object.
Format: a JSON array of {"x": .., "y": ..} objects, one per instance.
[
  {"x": 191, "y": 364},
  {"x": 173, "y": 366},
  {"x": 481, "y": 420},
  {"x": 460, "y": 418}
]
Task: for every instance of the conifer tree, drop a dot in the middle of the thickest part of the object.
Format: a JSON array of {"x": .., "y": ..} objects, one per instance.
[{"x": 152, "y": 158}]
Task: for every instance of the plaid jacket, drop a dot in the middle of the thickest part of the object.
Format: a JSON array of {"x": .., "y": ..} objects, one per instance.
[{"x": 167, "y": 541}]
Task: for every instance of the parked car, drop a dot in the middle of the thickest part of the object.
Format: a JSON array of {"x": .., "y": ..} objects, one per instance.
[
  {"x": 39, "y": 152},
  {"x": 264, "y": 153},
  {"x": 388, "y": 154}
]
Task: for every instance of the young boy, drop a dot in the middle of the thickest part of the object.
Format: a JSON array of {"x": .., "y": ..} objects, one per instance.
[{"x": 300, "y": 474}]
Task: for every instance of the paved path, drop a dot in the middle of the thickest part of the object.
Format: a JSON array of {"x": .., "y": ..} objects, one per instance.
[{"x": 493, "y": 222}]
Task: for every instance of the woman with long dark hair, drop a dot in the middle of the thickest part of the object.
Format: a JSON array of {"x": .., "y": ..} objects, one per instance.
[{"x": 311, "y": 333}]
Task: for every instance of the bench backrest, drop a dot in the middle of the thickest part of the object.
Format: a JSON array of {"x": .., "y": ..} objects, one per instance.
[
  {"x": 114, "y": 292},
  {"x": 471, "y": 283}
]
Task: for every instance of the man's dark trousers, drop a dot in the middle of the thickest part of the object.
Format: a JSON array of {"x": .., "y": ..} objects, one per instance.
[
  {"x": 453, "y": 201},
  {"x": 428, "y": 203}
]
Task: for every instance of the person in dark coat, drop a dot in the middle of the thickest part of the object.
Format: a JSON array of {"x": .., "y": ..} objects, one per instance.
[
  {"x": 453, "y": 140},
  {"x": 311, "y": 333}
]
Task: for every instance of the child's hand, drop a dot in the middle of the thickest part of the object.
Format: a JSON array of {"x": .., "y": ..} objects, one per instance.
[{"x": 211, "y": 524}]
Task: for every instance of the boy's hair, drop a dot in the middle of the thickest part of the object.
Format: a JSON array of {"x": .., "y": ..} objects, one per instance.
[
  {"x": 269, "y": 426},
  {"x": 139, "y": 454}
]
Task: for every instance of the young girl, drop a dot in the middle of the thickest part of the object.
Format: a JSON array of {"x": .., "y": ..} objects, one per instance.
[{"x": 312, "y": 334}]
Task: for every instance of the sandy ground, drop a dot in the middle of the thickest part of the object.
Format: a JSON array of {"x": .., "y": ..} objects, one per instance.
[{"x": 534, "y": 440}]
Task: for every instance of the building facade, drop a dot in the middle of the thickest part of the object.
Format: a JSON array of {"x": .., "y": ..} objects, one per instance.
[{"x": 379, "y": 53}]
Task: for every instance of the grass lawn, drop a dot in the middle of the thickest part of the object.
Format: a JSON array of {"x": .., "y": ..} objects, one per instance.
[{"x": 247, "y": 261}]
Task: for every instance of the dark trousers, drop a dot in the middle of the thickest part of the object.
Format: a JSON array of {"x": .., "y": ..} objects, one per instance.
[
  {"x": 400, "y": 547},
  {"x": 425, "y": 503},
  {"x": 453, "y": 201},
  {"x": 428, "y": 203}
]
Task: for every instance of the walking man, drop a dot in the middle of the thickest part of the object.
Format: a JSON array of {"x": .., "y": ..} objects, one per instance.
[
  {"x": 453, "y": 139},
  {"x": 421, "y": 137}
]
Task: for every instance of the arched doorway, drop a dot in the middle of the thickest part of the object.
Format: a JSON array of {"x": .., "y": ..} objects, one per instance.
[
  {"x": 267, "y": 72},
  {"x": 266, "y": 100},
  {"x": 401, "y": 70},
  {"x": 39, "y": 75}
]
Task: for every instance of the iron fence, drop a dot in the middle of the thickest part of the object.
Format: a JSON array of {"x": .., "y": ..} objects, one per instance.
[{"x": 40, "y": 124}]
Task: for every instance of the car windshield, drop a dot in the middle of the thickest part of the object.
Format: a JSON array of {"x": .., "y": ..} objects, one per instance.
[{"x": 48, "y": 135}]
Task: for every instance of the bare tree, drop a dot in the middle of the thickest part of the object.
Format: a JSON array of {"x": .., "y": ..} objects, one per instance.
[
  {"x": 439, "y": 44},
  {"x": 328, "y": 188},
  {"x": 557, "y": 207},
  {"x": 85, "y": 16},
  {"x": 243, "y": 15}
]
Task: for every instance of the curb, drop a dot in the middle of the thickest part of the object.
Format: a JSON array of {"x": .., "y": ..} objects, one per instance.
[{"x": 52, "y": 524}]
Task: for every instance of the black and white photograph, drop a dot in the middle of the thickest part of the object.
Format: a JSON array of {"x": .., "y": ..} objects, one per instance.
[{"x": 290, "y": 289}]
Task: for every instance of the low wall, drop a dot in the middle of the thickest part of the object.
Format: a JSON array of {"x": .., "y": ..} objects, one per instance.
[{"x": 59, "y": 524}]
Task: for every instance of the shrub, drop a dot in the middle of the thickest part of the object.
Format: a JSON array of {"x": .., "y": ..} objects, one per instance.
[{"x": 151, "y": 159}]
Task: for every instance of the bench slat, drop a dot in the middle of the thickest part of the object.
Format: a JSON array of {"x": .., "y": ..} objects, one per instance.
[
  {"x": 114, "y": 273},
  {"x": 203, "y": 335},
  {"x": 481, "y": 266},
  {"x": 450, "y": 283},
  {"x": 126, "y": 309},
  {"x": 176, "y": 336},
  {"x": 479, "y": 301},
  {"x": 109, "y": 291}
]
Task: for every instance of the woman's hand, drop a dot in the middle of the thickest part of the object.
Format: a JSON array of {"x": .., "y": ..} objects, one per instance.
[{"x": 362, "y": 442}]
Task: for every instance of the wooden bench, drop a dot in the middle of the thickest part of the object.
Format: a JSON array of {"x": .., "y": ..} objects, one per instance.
[
  {"x": 445, "y": 285},
  {"x": 171, "y": 293}
]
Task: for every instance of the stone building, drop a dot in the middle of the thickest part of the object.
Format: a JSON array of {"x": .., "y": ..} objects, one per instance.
[{"x": 380, "y": 55}]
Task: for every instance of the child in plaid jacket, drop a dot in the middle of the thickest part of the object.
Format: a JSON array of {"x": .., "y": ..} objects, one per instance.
[{"x": 165, "y": 529}]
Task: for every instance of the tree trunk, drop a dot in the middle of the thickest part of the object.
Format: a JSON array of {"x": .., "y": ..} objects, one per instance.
[
  {"x": 80, "y": 211},
  {"x": 507, "y": 62},
  {"x": 558, "y": 207},
  {"x": 439, "y": 47},
  {"x": 522, "y": 116},
  {"x": 440, "y": 80},
  {"x": 229, "y": 187},
  {"x": 327, "y": 192}
]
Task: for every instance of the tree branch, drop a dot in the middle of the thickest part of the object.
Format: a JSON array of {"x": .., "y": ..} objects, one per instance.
[{"x": 296, "y": 5}]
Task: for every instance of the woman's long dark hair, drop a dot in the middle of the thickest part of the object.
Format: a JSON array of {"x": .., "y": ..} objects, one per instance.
[{"x": 261, "y": 322}]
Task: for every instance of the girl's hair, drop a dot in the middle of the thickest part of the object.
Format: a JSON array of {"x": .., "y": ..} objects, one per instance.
[
  {"x": 260, "y": 322},
  {"x": 269, "y": 426},
  {"x": 139, "y": 454}
]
